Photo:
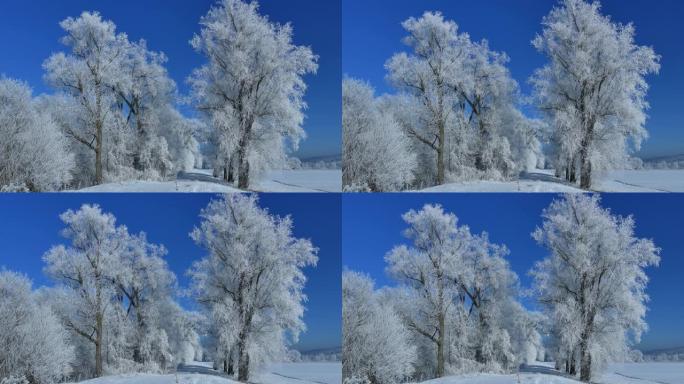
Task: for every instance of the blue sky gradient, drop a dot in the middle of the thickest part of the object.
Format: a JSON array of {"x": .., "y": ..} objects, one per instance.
[
  {"x": 372, "y": 226},
  {"x": 30, "y": 225},
  {"x": 373, "y": 32},
  {"x": 30, "y": 32}
]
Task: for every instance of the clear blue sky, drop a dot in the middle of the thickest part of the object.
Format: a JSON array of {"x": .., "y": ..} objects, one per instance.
[
  {"x": 372, "y": 225},
  {"x": 30, "y": 226},
  {"x": 29, "y": 33},
  {"x": 373, "y": 32}
]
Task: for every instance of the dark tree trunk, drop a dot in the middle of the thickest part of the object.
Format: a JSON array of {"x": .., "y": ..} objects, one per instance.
[
  {"x": 242, "y": 154},
  {"x": 572, "y": 170},
  {"x": 440, "y": 154},
  {"x": 243, "y": 359},
  {"x": 585, "y": 364},
  {"x": 440, "y": 347},
  {"x": 482, "y": 148},
  {"x": 231, "y": 369},
  {"x": 585, "y": 177},
  {"x": 98, "y": 153},
  {"x": 98, "y": 344},
  {"x": 585, "y": 161},
  {"x": 572, "y": 370},
  {"x": 230, "y": 176}
]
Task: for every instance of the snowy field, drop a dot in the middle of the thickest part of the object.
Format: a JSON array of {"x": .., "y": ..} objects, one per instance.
[
  {"x": 201, "y": 373},
  {"x": 301, "y": 180},
  {"x": 544, "y": 181},
  {"x": 162, "y": 186},
  {"x": 653, "y": 180},
  {"x": 200, "y": 180},
  {"x": 286, "y": 373},
  {"x": 543, "y": 373},
  {"x": 645, "y": 373}
]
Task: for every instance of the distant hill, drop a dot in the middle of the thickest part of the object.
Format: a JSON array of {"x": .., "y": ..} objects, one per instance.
[
  {"x": 664, "y": 162},
  {"x": 668, "y": 158},
  {"x": 332, "y": 354},
  {"x": 318, "y": 162},
  {"x": 668, "y": 351},
  {"x": 326, "y": 158},
  {"x": 322, "y": 351}
]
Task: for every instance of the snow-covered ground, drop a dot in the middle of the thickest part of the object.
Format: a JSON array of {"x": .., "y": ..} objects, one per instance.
[
  {"x": 301, "y": 180},
  {"x": 201, "y": 373},
  {"x": 544, "y": 181},
  {"x": 652, "y": 180},
  {"x": 645, "y": 373},
  {"x": 200, "y": 180},
  {"x": 162, "y": 186},
  {"x": 543, "y": 373},
  {"x": 286, "y": 373}
]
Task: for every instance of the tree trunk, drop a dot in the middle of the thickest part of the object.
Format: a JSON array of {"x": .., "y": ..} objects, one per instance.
[
  {"x": 142, "y": 138},
  {"x": 572, "y": 169},
  {"x": 440, "y": 347},
  {"x": 243, "y": 172},
  {"x": 243, "y": 162},
  {"x": 572, "y": 370},
  {"x": 585, "y": 161},
  {"x": 98, "y": 132},
  {"x": 243, "y": 359},
  {"x": 98, "y": 153},
  {"x": 440, "y": 154},
  {"x": 98, "y": 344},
  {"x": 585, "y": 363},
  {"x": 585, "y": 177},
  {"x": 479, "y": 352},
  {"x": 564, "y": 172},
  {"x": 231, "y": 174},
  {"x": 231, "y": 368},
  {"x": 482, "y": 146},
  {"x": 585, "y": 353}
]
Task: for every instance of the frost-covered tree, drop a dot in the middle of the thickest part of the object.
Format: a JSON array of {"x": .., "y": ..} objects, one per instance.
[
  {"x": 144, "y": 286},
  {"x": 86, "y": 271},
  {"x": 115, "y": 295},
  {"x": 252, "y": 87},
  {"x": 593, "y": 89},
  {"x": 593, "y": 283},
  {"x": 33, "y": 152},
  {"x": 376, "y": 152},
  {"x": 143, "y": 92},
  {"x": 425, "y": 75},
  {"x": 456, "y": 294},
  {"x": 458, "y": 103},
  {"x": 181, "y": 136},
  {"x": 35, "y": 346},
  {"x": 251, "y": 282},
  {"x": 116, "y": 103},
  {"x": 376, "y": 345},
  {"x": 88, "y": 74}
]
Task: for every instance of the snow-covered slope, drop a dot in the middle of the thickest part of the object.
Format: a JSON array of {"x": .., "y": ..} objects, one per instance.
[
  {"x": 200, "y": 180},
  {"x": 645, "y": 373},
  {"x": 180, "y": 378},
  {"x": 651, "y": 180},
  {"x": 297, "y": 373},
  {"x": 627, "y": 373},
  {"x": 202, "y": 373},
  {"x": 504, "y": 186},
  {"x": 544, "y": 181},
  {"x": 301, "y": 180},
  {"x": 162, "y": 186}
]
